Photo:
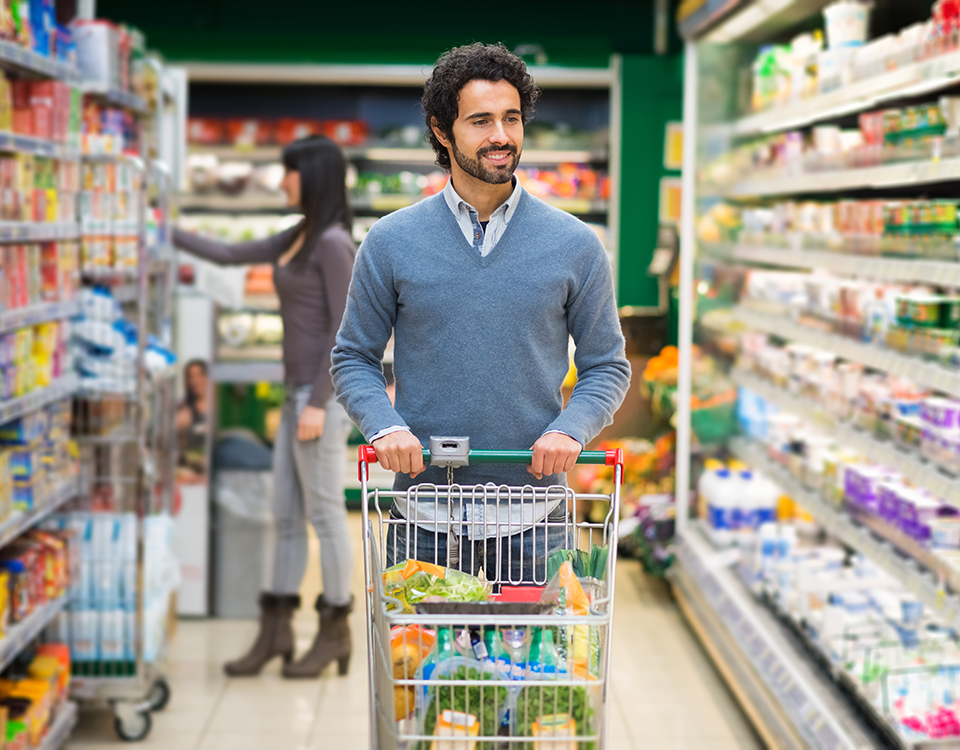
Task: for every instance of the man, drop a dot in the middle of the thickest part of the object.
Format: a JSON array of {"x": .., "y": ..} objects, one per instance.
[{"x": 481, "y": 285}]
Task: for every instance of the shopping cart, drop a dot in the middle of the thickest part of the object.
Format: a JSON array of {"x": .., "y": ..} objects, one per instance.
[{"x": 511, "y": 673}]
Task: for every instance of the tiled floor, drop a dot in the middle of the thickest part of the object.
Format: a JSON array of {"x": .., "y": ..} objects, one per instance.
[{"x": 665, "y": 694}]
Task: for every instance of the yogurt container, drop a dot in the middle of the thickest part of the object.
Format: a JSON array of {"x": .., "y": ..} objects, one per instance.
[{"x": 847, "y": 22}]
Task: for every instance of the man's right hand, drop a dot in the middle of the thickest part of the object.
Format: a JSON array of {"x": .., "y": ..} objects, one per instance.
[{"x": 400, "y": 452}]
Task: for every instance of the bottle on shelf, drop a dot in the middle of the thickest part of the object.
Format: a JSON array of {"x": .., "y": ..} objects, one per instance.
[{"x": 721, "y": 505}]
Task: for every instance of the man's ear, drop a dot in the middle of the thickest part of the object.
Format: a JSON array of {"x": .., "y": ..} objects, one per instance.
[{"x": 438, "y": 132}]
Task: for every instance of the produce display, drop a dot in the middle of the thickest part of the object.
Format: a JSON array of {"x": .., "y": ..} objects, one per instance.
[{"x": 505, "y": 667}]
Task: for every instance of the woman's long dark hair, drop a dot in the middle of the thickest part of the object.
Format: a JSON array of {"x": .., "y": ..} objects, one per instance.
[{"x": 323, "y": 185}]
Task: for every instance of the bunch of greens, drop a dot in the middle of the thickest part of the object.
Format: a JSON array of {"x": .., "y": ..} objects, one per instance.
[
  {"x": 486, "y": 702},
  {"x": 585, "y": 565},
  {"x": 455, "y": 586},
  {"x": 535, "y": 701}
]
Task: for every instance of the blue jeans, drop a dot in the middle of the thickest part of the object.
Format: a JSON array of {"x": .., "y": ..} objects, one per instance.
[
  {"x": 308, "y": 487},
  {"x": 518, "y": 559}
]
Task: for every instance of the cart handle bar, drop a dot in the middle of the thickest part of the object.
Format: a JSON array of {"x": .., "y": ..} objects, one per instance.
[{"x": 368, "y": 455}]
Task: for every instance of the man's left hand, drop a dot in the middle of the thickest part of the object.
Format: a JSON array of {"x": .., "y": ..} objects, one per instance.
[
  {"x": 310, "y": 424},
  {"x": 554, "y": 453}
]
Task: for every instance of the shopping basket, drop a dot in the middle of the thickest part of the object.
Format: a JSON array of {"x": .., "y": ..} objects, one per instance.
[{"x": 528, "y": 669}]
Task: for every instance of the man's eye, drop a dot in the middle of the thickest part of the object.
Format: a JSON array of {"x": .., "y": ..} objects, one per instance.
[{"x": 479, "y": 122}]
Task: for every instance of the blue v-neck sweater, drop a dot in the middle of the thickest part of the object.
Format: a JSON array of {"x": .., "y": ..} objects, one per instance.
[{"x": 481, "y": 343}]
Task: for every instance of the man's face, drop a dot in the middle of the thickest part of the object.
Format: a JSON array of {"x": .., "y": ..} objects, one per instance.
[{"x": 487, "y": 136}]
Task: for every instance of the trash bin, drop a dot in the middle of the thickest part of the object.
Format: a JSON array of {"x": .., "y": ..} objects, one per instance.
[{"x": 243, "y": 527}]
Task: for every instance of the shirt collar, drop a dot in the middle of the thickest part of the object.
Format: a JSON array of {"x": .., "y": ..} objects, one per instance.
[{"x": 509, "y": 206}]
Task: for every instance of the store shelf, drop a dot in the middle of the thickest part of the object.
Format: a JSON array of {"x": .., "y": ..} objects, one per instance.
[
  {"x": 26, "y": 231},
  {"x": 380, "y": 203},
  {"x": 63, "y": 388},
  {"x": 920, "y": 472},
  {"x": 911, "y": 80},
  {"x": 400, "y": 155},
  {"x": 11, "y": 320},
  {"x": 921, "y": 582},
  {"x": 941, "y": 273},
  {"x": 923, "y": 373},
  {"x": 248, "y": 372},
  {"x": 906, "y": 174},
  {"x": 26, "y": 144},
  {"x": 21, "y": 635},
  {"x": 13, "y": 55},
  {"x": 17, "y": 524},
  {"x": 788, "y": 698},
  {"x": 59, "y": 732},
  {"x": 114, "y": 96}
]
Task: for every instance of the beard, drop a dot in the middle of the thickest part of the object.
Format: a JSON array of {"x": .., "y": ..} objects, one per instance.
[{"x": 475, "y": 168}]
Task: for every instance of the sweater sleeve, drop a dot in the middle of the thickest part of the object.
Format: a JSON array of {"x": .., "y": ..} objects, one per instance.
[
  {"x": 257, "y": 251},
  {"x": 333, "y": 262},
  {"x": 368, "y": 321},
  {"x": 603, "y": 371}
]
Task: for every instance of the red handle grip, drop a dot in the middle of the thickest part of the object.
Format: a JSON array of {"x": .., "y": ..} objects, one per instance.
[{"x": 367, "y": 455}]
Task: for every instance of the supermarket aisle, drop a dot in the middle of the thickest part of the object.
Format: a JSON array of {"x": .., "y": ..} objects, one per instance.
[{"x": 666, "y": 695}]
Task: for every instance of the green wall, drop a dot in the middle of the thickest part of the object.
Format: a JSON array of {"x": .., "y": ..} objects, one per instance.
[{"x": 652, "y": 97}]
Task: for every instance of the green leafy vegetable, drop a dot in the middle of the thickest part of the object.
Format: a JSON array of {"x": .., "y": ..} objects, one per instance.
[
  {"x": 585, "y": 565},
  {"x": 535, "y": 701},
  {"x": 486, "y": 702}
]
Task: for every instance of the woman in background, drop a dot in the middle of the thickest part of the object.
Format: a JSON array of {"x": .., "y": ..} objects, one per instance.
[{"x": 312, "y": 265}]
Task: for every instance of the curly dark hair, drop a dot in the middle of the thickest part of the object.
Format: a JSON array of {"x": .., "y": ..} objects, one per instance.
[{"x": 454, "y": 70}]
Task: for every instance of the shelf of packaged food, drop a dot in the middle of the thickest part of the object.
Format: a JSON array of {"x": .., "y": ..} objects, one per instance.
[
  {"x": 938, "y": 272},
  {"x": 927, "y": 374},
  {"x": 911, "y": 80},
  {"x": 11, "y": 320},
  {"x": 61, "y": 728},
  {"x": 904, "y": 174},
  {"x": 922, "y": 583},
  {"x": 28, "y": 144},
  {"x": 791, "y": 702},
  {"x": 381, "y": 203},
  {"x": 248, "y": 372},
  {"x": 26, "y": 231},
  {"x": 114, "y": 96},
  {"x": 64, "y": 387},
  {"x": 919, "y": 471},
  {"x": 400, "y": 155},
  {"x": 12, "y": 54},
  {"x": 20, "y": 522},
  {"x": 23, "y": 633}
]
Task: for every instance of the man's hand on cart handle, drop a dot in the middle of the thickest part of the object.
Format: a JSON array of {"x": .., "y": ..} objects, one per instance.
[
  {"x": 554, "y": 453},
  {"x": 400, "y": 452}
]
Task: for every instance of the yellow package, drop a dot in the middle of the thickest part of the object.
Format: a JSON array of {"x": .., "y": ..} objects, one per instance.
[
  {"x": 455, "y": 724},
  {"x": 4, "y": 603},
  {"x": 555, "y": 726}
]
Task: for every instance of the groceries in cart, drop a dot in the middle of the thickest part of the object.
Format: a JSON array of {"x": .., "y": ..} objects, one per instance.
[
  {"x": 505, "y": 680},
  {"x": 414, "y": 581}
]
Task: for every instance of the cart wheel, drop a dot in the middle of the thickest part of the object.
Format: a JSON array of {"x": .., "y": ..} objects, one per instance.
[
  {"x": 159, "y": 695},
  {"x": 134, "y": 727}
]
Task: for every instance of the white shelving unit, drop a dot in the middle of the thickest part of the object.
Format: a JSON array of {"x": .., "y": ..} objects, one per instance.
[
  {"x": 11, "y": 320},
  {"x": 910, "y": 464},
  {"x": 701, "y": 569},
  {"x": 905, "y": 175},
  {"x": 64, "y": 387},
  {"x": 23, "y": 633},
  {"x": 928, "y": 374},
  {"x": 28, "y": 231},
  {"x": 937, "y": 272},
  {"x": 910, "y": 80},
  {"x": 922, "y": 583}
]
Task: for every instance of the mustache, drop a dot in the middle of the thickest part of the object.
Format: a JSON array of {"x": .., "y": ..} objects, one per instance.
[{"x": 490, "y": 149}]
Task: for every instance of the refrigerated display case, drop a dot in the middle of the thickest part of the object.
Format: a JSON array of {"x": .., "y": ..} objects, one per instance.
[{"x": 819, "y": 246}]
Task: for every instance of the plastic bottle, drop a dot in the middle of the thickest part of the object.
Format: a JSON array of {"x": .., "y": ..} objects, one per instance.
[
  {"x": 768, "y": 548},
  {"x": 443, "y": 652},
  {"x": 706, "y": 484},
  {"x": 721, "y": 509},
  {"x": 542, "y": 660},
  {"x": 496, "y": 652},
  {"x": 763, "y": 501}
]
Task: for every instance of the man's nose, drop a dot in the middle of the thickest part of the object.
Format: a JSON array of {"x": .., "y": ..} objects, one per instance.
[{"x": 499, "y": 134}]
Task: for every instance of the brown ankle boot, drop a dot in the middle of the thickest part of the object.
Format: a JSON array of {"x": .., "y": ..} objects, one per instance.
[
  {"x": 331, "y": 644},
  {"x": 274, "y": 639}
]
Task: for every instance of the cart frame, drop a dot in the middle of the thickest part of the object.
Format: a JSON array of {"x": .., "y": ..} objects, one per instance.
[{"x": 385, "y": 612}]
